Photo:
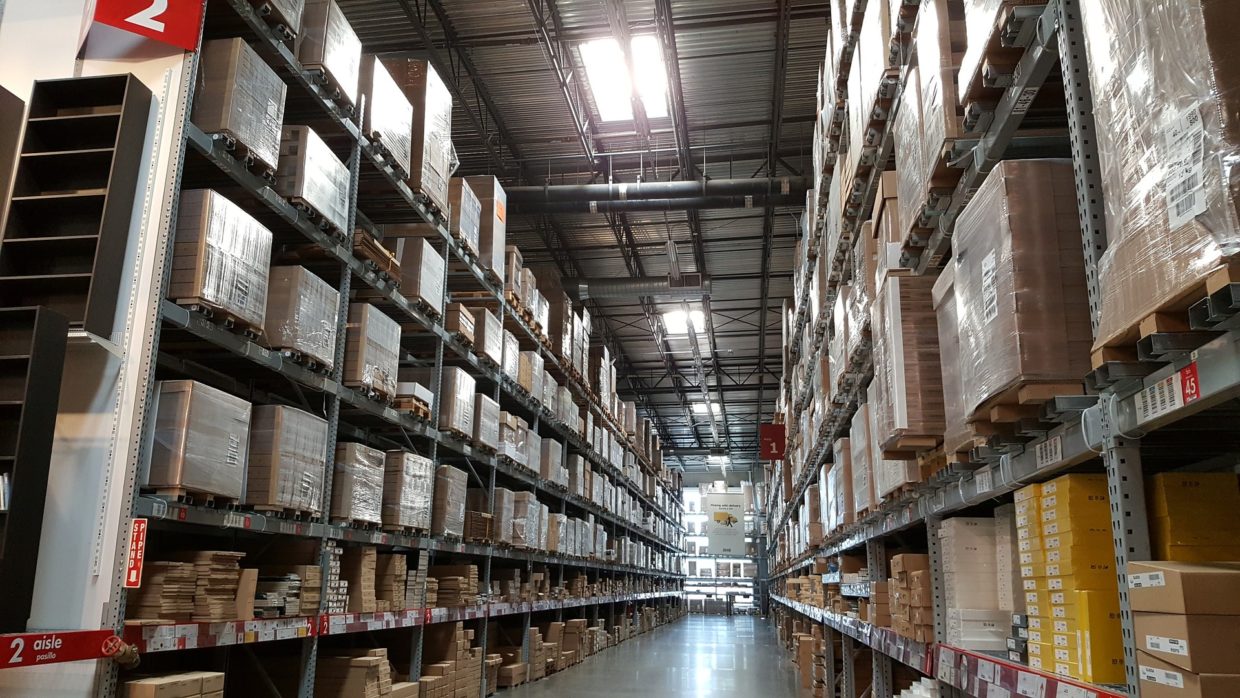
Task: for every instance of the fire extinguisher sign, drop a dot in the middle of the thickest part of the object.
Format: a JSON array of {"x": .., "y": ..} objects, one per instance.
[
  {"x": 173, "y": 22},
  {"x": 137, "y": 552}
]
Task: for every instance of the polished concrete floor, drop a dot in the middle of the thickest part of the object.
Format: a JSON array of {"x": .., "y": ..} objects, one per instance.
[{"x": 715, "y": 656}]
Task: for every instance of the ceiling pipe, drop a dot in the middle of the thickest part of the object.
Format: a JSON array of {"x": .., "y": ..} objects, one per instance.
[
  {"x": 680, "y": 204},
  {"x": 771, "y": 186},
  {"x": 689, "y": 287}
]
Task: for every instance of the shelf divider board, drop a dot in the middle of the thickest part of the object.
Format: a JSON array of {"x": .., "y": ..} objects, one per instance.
[
  {"x": 45, "y": 341},
  {"x": 11, "y": 110}
]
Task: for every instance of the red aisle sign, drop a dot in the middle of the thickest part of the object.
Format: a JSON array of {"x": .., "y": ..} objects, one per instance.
[
  {"x": 1190, "y": 384},
  {"x": 174, "y": 22},
  {"x": 30, "y": 649},
  {"x": 137, "y": 552},
  {"x": 772, "y": 442}
]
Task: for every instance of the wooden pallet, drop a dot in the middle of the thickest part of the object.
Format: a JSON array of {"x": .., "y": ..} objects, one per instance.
[
  {"x": 221, "y": 316},
  {"x": 243, "y": 154},
  {"x": 189, "y": 495},
  {"x": 995, "y": 55},
  {"x": 907, "y": 445},
  {"x": 290, "y": 513},
  {"x": 414, "y": 406},
  {"x": 1169, "y": 316},
  {"x": 1022, "y": 400},
  {"x": 459, "y": 435},
  {"x": 367, "y": 248}
]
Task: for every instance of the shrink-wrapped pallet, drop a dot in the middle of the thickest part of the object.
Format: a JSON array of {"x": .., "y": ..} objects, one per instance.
[
  {"x": 530, "y": 371},
  {"x": 240, "y": 96},
  {"x": 860, "y": 461},
  {"x": 956, "y": 433},
  {"x": 422, "y": 271},
  {"x": 486, "y": 422},
  {"x": 525, "y": 520},
  {"x": 1022, "y": 305},
  {"x": 310, "y": 174},
  {"x": 501, "y": 511},
  {"x": 551, "y": 462},
  {"x": 511, "y": 365},
  {"x": 287, "y": 460},
  {"x": 433, "y": 157},
  {"x": 328, "y": 43},
  {"x": 466, "y": 213},
  {"x": 908, "y": 384},
  {"x": 840, "y": 501},
  {"x": 388, "y": 121},
  {"x": 533, "y": 449},
  {"x": 940, "y": 38},
  {"x": 283, "y": 13},
  {"x": 448, "y": 511},
  {"x": 201, "y": 440},
  {"x": 357, "y": 484},
  {"x": 456, "y": 401},
  {"x": 492, "y": 223},
  {"x": 1166, "y": 82},
  {"x": 887, "y": 474},
  {"x": 907, "y": 139},
  {"x": 302, "y": 315},
  {"x": 488, "y": 335},
  {"x": 372, "y": 341},
  {"x": 407, "y": 482},
  {"x": 459, "y": 320},
  {"x": 220, "y": 258}
]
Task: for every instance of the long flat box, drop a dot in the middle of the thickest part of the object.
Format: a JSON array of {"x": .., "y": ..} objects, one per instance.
[
  {"x": 1179, "y": 587},
  {"x": 201, "y": 440},
  {"x": 1207, "y": 644},
  {"x": 1159, "y": 679},
  {"x": 238, "y": 94}
]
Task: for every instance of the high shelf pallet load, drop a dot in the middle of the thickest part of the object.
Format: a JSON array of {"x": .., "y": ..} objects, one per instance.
[
  {"x": 433, "y": 158},
  {"x": 240, "y": 96}
]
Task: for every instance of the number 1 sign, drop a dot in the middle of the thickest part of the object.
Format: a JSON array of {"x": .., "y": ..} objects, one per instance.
[{"x": 174, "y": 22}]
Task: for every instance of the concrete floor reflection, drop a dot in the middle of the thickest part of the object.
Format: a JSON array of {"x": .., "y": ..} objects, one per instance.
[{"x": 697, "y": 656}]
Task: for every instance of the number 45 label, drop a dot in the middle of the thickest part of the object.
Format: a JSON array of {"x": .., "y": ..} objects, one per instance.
[{"x": 173, "y": 22}]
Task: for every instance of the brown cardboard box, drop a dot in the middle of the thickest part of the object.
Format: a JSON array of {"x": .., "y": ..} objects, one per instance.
[
  {"x": 466, "y": 213},
  {"x": 201, "y": 440},
  {"x": 302, "y": 314},
  {"x": 357, "y": 485},
  {"x": 388, "y": 120},
  {"x": 488, "y": 335},
  {"x": 448, "y": 513},
  {"x": 1161, "y": 679},
  {"x": 327, "y": 41},
  {"x": 240, "y": 95},
  {"x": 421, "y": 271},
  {"x": 287, "y": 456},
  {"x": 1199, "y": 643},
  {"x": 311, "y": 174},
  {"x": 371, "y": 344},
  {"x": 432, "y": 127},
  {"x": 909, "y": 562},
  {"x": 188, "y": 685},
  {"x": 407, "y": 482}
]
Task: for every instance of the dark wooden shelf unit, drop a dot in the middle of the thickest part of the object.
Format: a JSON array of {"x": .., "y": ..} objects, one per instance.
[
  {"x": 73, "y": 196},
  {"x": 32, "y": 359}
]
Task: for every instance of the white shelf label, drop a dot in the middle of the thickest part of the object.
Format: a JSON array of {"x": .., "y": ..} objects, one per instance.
[
  {"x": 1167, "y": 678},
  {"x": 1146, "y": 580},
  {"x": 985, "y": 480},
  {"x": 1159, "y": 399},
  {"x": 1067, "y": 690},
  {"x": 1049, "y": 452},
  {"x": 1170, "y": 645},
  {"x": 997, "y": 691},
  {"x": 1030, "y": 685},
  {"x": 987, "y": 671}
]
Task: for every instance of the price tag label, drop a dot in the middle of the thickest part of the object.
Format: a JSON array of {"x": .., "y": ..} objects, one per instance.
[
  {"x": 235, "y": 520},
  {"x": 1067, "y": 690},
  {"x": 997, "y": 691},
  {"x": 1030, "y": 685},
  {"x": 986, "y": 671},
  {"x": 984, "y": 480},
  {"x": 1167, "y": 395},
  {"x": 1049, "y": 452}
]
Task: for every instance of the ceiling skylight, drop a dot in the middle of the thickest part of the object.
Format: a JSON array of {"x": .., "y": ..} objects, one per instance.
[
  {"x": 700, "y": 408},
  {"x": 677, "y": 323},
  {"x": 609, "y": 77}
]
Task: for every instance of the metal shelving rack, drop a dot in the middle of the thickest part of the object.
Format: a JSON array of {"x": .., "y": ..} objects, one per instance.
[
  {"x": 1133, "y": 401},
  {"x": 353, "y": 415}
]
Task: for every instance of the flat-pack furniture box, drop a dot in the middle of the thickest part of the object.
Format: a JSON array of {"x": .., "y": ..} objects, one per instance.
[
  {"x": 328, "y": 43},
  {"x": 301, "y": 317},
  {"x": 448, "y": 512},
  {"x": 492, "y": 223},
  {"x": 433, "y": 158},
  {"x": 456, "y": 401},
  {"x": 357, "y": 484},
  {"x": 201, "y": 440},
  {"x": 388, "y": 121},
  {"x": 287, "y": 460},
  {"x": 488, "y": 335},
  {"x": 372, "y": 343},
  {"x": 310, "y": 175},
  {"x": 956, "y": 432},
  {"x": 407, "y": 482},
  {"x": 466, "y": 214},
  {"x": 1022, "y": 309},
  {"x": 421, "y": 272},
  {"x": 486, "y": 422},
  {"x": 220, "y": 259},
  {"x": 1166, "y": 84},
  {"x": 908, "y": 405},
  {"x": 240, "y": 96}
]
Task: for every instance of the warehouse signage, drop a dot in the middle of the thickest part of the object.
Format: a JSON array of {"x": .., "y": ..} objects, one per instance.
[
  {"x": 173, "y": 22},
  {"x": 30, "y": 649},
  {"x": 137, "y": 553},
  {"x": 725, "y": 523},
  {"x": 772, "y": 442}
]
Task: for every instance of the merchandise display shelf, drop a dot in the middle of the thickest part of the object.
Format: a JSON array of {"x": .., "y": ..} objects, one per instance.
[{"x": 918, "y": 655}]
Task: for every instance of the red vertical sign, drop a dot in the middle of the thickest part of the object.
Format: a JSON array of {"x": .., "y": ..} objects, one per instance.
[
  {"x": 1190, "y": 384},
  {"x": 137, "y": 552},
  {"x": 174, "y": 22},
  {"x": 772, "y": 442}
]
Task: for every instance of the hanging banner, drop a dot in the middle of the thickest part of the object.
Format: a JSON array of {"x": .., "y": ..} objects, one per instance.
[
  {"x": 725, "y": 523},
  {"x": 771, "y": 442},
  {"x": 173, "y": 22}
]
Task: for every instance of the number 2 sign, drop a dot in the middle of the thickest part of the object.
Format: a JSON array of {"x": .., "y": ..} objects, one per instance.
[{"x": 174, "y": 22}]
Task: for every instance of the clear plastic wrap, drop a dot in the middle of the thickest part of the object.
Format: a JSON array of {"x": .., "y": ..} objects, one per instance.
[
  {"x": 908, "y": 381},
  {"x": 238, "y": 94},
  {"x": 837, "y": 344},
  {"x": 550, "y": 392},
  {"x": 328, "y": 42},
  {"x": 408, "y": 480},
  {"x": 533, "y": 448},
  {"x": 492, "y": 222},
  {"x": 557, "y": 533},
  {"x": 939, "y": 46},
  {"x": 448, "y": 512},
  {"x": 886, "y": 474},
  {"x": 432, "y": 157},
  {"x": 502, "y": 511},
  {"x": 576, "y": 474},
  {"x": 466, "y": 213},
  {"x": 859, "y": 445},
  {"x": 421, "y": 271},
  {"x": 525, "y": 520},
  {"x": 907, "y": 140},
  {"x": 840, "y": 485},
  {"x": 981, "y": 19},
  {"x": 357, "y": 486},
  {"x": 956, "y": 431},
  {"x": 872, "y": 51},
  {"x": 301, "y": 314},
  {"x": 1022, "y": 305},
  {"x": 287, "y": 459},
  {"x": 489, "y": 335},
  {"x": 456, "y": 401},
  {"x": 372, "y": 341},
  {"x": 1167, "y": 94},
  {"x": 310, "y": 173},
  {"x": 541, "y": 310},
  {"x": 544, "y": 513},
  {"x": 486, "y": 422},
  {"x": 220, "y": 258},
  {"x": 511, "y": 365},
  {"x": 201, "y": 440},
  {"x": 389, "y": 115},
  {"x": 529, "y": 371}
]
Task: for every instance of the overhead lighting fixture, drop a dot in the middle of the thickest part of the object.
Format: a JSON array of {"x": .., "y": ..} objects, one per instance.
[
  {"x": 718, "y": 460},
  {"x": 700, "y": 408},
  {"x": 609, "y": 77},
  {"x": 677, "y": 322}
]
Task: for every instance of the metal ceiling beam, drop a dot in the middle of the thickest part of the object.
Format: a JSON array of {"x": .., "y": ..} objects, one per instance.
[
  {"x": 550, "y": 34},
  {"x": 618, "y": 20}
]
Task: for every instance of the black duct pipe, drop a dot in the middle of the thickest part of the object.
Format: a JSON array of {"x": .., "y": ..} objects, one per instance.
[
  {"x": 678, "y": 204},
  {"x": 773, "y": 186}
]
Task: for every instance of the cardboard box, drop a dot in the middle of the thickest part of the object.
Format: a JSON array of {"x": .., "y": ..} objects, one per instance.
[
  {"x": 1159, "y": 679},
  {"x": 310, "y": 173},
  {"x": 431, "y": 155},
  {"x": 357, "y": 484},
  {"x": 327, "y": 42},
  {"x": 488, "y": 335},
  {"x": 448, "y": 510},
  {"x": 388, "y": 121},
  {"x": 1179, "y": 587},
  {"x": 302, "y": 315},
  {"x": 287, "y": 459},
  {"x": 421, "y": 271},
  {"x": 371, "y": 356},
  {"x": 201, "y": 442},
  {"x": 407, "y": 482},
  {"x": 1205, "y": 644},
  {"x": 238, "y": 94}
]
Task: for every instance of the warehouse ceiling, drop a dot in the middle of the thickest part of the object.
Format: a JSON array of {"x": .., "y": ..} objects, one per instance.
[{"x": 740, "y": 77}]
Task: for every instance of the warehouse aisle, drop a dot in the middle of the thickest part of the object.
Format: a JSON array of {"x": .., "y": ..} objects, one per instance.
[{"x": 713, "y": 656}]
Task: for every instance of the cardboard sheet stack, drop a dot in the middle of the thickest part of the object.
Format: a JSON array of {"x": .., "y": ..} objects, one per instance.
[
  {"x": 458, "y": 584},
  {"x": 912, "y": 613},
  {"x": 217, "y": 573},
  {"x": 415, "y": 586},
  {"x": 451, "y": 667},
  {"x": 391, "y": 582},
  {"x": 277, "y": 596},
  {"x": 358, "y": 568},
  {"x": 167, "y": 592},
  {"x": 366, "y": 676},
  {"x": 191, "y": 684}
]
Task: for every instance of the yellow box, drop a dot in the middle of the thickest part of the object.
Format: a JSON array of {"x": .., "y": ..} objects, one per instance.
[
  {"x": 1039, "y": 598},
  {"x": 1099, "y": 637},
  {"x": 1041, "y": 649},
  {"x": 1202, "y": 527},
  {"x": 1172, "y": 493},
  {"x": 1038, "y": 637},
  {"x": 1196, "y": 553},
  {"x": 1028, "y": 492},
  {"x": 1032, "y": 557},
  {"x": 1096, "y": 541},
  {"x": 1028, "y": 544},
  {"x": 1038, "y": 622},
  {"x": 1075, "y": 556},
  {"x": 1029, "y": 508},
  {"x": 1032, "y": 531},
  {"x": 1084, "y": 483},
  {"x": 1032, "y": 570},
  {"x": 1075, "y": 504},
  {"x": 1087, "y": 578}
]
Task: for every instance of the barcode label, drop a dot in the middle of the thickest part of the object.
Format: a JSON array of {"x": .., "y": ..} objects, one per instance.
[
  {"x": 1170, "y": 645},
  {"x": 1159, "y": 399},
  {"x": 1167, "y": 678},
  {"x": 990, "y": 287},
  {"x": 1030, "y": 685},
  {"x": 1146, "y": 580},
  {"x": 1049, "y": 452},
  {"x": 984, "y": 480},
  {"x": 1184, "y": 150}
]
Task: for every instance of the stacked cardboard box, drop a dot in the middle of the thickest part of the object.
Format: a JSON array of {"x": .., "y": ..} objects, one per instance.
[
  {"x": 1193, "y": 516},
  {"x": 238, "y": 94},
  {"x": 357, "y": 485},
  {"x": 431, "y": 156},
  {"x": 367, "y": 675},
  {"x": 391, "y": 581},
  {"x": 217, "y": 573},
  {"x": 288, "y": 454},
  {"x": 912, "y": 615},
  {"x": 448, "y": 512},
  {"x": 358, "y": 568},
  {"x": 1069, "y": 580},
  {"x": 276, "y": 596},
  {"x": 458, "y": 584},
  {"x": 308, "y": 580},
  {"x": 388, "y": 118},
  {"x": 192, "y": 684},
  {"x": 201, "y": 440},
  {"x": 310, "y": 174},
  {"x": 466, "y": 213},
  {"x": 421, "y": 272},
  {"x": 167, "y": 592},
  {"x": 450, "y": 664},
  {"x": 372, "y": 342},
  {"x": 301, "y": 315},
  {"x": 488, "y": 336},
  {"x": 407, "y": 481},
  {"x": 486, "y": 422}
]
